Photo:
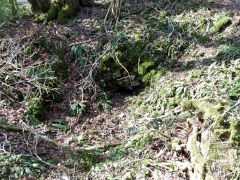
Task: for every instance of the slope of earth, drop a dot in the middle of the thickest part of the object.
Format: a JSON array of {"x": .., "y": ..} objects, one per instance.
[{"x": 154, "y": 96}]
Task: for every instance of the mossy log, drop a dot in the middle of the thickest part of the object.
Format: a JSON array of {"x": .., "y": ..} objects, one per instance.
[
  {"x": 57, "y": 9},
  {"x": 221, "y": 24},
  {"x": 215, "y": 142}
]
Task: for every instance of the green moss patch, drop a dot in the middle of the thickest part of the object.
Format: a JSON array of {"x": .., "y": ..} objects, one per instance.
[
  {"x": 221, "y": 24},
  {"x": 145, "y": 66}
]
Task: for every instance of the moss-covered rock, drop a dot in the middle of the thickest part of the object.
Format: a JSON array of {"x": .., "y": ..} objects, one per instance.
[
  {"x": 35, "y": 107},
  {"x": 211, "y": 148},
  {"x": 145, "y": 66},
  {"x": 120, "y": 69},
  {"x": 130, "y": 64}
]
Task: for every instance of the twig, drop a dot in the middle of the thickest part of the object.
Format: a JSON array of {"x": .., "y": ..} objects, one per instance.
[{"x": 227, "y": 111}]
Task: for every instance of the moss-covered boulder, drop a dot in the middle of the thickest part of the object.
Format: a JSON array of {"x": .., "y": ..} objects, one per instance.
[{"x": 121, "y": 69}]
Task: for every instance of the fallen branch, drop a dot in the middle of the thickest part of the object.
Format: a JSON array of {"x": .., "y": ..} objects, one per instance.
[
  {"x": 67, "y": 149},
  {"x": 12, "y": 128}
]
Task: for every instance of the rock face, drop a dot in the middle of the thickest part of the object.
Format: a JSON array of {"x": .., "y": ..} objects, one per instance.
[{"x": 213, "y": 141}]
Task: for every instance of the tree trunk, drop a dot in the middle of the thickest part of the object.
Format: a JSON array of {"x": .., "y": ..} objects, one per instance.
[{"x": 60, "y": 9}]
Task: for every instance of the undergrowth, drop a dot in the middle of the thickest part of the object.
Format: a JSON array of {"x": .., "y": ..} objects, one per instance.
[{"x": 184, "y": 56}]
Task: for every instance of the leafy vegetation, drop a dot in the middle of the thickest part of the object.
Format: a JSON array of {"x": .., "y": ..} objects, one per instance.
[
  {"x": 10, "y": 10},
  {"x": 154, "y": 95}
]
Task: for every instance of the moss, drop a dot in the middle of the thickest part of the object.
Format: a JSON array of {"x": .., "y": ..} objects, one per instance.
[
  {"x": 197, "y": 158},
  {"x": 35, "y": 108},
  {"x": 235, "y": 131},
  {"x": 210, "y": 111},
  {"x": 53, "y": 12},
  {"x": 164, "y": 14},
  {"x": 105, "y": 58},
  {"x": 139, "y": 102},
  {"x": 148, "y": 77},
  {"x": 200, "y": 54},
  {"x": 66, "y": 12},
  {"x": 145, "y": 66},
  {"x": 187, "y": 105},
  {"x": 52, "y": 8},
  {"x": 171, "y": 103},
  {"x": 221, "y": 23},
  {"x": 40, "y": 19},
  {"x": 158, "y": 75}
]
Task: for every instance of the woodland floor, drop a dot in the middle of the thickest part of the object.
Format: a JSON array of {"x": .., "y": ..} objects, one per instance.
[{"x": 99, "y": 127}]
